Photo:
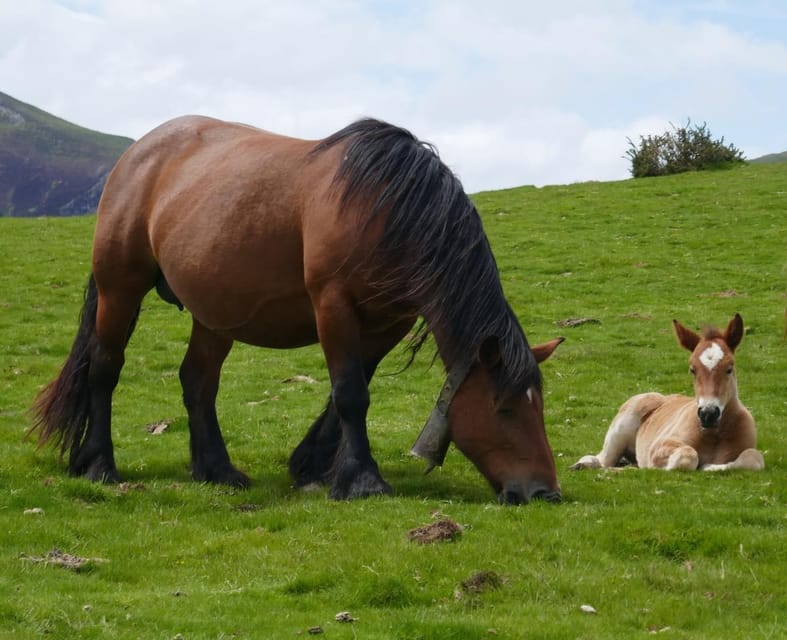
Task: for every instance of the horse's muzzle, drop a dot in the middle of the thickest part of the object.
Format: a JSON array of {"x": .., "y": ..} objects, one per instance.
[
  {"x": 710, "y": 416},
  {"x": 514, "y": 494}
]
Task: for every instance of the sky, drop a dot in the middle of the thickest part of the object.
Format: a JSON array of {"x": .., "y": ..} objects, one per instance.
[{"x": 511, "y": 92}]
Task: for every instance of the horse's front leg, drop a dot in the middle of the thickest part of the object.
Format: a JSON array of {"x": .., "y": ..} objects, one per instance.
[
  {"x": 750, "y": 459},
  {"x": 355, "y": 473}
]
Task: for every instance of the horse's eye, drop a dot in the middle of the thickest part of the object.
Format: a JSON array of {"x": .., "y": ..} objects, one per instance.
[
  {"x": 729, "y": 371},
  {"x": 505, "y": 412}
]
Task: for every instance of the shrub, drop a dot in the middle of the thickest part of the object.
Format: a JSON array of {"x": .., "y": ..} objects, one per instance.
[{"x": 688, "y": 148}]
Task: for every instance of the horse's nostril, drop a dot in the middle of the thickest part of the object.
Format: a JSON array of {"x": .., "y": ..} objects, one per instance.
[
  {"x": 709, "y": 416},
  {"x": 515, "y": 494},
  {"x": 512, "y": 497},
  {"x": 547, "y": 495}
]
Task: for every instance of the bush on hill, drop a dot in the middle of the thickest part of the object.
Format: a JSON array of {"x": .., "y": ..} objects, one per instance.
[{"x": 688, "y": 148}]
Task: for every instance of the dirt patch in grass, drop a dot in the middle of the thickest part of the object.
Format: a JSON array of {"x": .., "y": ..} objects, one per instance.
[{"x": 444, "y": 530}]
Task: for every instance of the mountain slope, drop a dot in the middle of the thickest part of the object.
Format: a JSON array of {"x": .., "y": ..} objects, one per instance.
[
  {"x": 771, "y": 157},
  {"x": 49, "y": 166}
]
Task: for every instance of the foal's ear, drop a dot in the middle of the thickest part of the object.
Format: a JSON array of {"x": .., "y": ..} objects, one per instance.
[
  {"x": 688, "y": 339},
  {"x": 489, "y": 352},
  {"x": 546, "y": 349},
  {"x": 733, "y": 334}
]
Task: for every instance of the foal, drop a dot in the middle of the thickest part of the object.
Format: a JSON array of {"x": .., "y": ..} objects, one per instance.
[{"x": 712, "y": 431}]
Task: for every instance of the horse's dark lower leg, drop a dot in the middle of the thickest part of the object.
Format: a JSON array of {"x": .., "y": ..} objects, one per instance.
[
  {"x": 355, "y": 473},
  {"x": 94, "y": 456},
  {"x": 313, "y": 458},
  {"x": 199, "y": 376}
]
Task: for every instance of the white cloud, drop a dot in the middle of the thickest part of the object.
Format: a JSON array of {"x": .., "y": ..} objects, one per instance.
[{"x": 511, "y": 92}]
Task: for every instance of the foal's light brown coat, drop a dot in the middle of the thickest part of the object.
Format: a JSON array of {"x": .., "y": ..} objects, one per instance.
[{"x": 712, "y": 431}]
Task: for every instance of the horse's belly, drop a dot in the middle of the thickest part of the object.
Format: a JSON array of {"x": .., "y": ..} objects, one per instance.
[{"x": 279, "y": 325}]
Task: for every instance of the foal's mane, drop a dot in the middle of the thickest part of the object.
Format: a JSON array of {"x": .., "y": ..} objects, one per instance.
[{"x": 433, "y": 254}]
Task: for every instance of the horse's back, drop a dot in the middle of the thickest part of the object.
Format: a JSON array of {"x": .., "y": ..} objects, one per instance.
[{"x": 217, "y": 209}]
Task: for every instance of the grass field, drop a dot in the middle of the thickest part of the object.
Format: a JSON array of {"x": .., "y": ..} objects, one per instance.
[{"x": 680, "y": 555}]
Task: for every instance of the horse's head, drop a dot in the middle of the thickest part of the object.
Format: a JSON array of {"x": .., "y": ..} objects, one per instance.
[
  {"x": 712, "y": 363},
  {"x": 504, "y": 436}
]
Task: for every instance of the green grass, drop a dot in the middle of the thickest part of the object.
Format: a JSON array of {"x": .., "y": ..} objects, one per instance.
[{"x": 689, "y": 555}]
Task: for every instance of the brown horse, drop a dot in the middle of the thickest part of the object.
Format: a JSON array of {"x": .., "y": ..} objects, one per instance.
[
  {"x": 280, "y": 242},
  {"x": 712, "y": 431}
]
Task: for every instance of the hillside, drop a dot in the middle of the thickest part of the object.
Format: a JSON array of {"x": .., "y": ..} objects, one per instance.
[
  {"x": 770, "y": 158},
  {"x": 49, "y": 166},
  {"x": 662, "y": 555}
]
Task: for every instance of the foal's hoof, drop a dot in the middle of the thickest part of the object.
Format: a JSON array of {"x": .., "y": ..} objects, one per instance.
[{"x": 586, "y": 462}]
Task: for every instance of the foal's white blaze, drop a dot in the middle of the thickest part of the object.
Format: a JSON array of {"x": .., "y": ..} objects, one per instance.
[
  {"x": 711, "y": 356},
  {"x": 703, "y": 402}
]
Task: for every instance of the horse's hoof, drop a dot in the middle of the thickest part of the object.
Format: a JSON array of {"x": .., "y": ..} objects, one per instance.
[
  {"x": 99, "y": 470},
  {"x": 229, "y": 476},
  {"x": 364, "y": 485}
]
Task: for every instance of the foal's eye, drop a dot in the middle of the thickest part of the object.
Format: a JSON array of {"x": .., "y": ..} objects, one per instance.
[{"x": 729, "y": 371}]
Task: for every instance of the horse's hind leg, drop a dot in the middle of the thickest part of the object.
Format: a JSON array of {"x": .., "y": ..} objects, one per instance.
[
  {"x": 313, "y": 459},
  {"x": 199, "y": 376},
  {"x": 116, "y": 315}
]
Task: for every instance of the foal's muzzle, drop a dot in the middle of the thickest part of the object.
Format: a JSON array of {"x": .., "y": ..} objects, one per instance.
[{"x": 709, "y": 416}]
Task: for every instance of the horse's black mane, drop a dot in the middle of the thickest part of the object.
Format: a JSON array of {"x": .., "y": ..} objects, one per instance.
[{"x": 433, "y": 253}]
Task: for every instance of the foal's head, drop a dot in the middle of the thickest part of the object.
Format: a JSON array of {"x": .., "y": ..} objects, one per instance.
[
  {"x": 712, "y": 363},
  {"x": 504, "y": 436}
]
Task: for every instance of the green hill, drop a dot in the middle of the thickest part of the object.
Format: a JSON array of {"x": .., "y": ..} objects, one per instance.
[
  {"x": 663, "y": 555},
  {"x": 770, "y": 158},
  {"x": 49, "y": 166}
]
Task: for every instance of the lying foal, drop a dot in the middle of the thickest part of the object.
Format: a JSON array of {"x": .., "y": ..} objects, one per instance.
[{"x": 712, "y": 431}]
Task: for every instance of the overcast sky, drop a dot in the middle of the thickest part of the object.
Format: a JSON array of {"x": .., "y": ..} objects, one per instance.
[{"x": 511, "y": 92}]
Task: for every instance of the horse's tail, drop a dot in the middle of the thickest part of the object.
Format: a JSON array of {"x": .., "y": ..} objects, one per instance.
[{"x": 61, "y": 409}]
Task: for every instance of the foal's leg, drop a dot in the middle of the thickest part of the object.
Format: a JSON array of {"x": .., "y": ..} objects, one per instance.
[
  {"x": 621, "y": 437},
  {"x": 673, "y": 455},
  {"x": 199, "y": 377},
  {"x": 750, "y": 459}
]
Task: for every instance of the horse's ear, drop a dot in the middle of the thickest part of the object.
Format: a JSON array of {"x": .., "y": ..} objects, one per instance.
[
  {"x": 734, "y": 332},
  {"x": 546, "y": 349},
  {"x": 489, "y": 352},
  {"x": 688, "y": 339}
]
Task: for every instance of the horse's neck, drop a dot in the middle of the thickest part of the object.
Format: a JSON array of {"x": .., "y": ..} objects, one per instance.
[{"x": 449, "y": 354}]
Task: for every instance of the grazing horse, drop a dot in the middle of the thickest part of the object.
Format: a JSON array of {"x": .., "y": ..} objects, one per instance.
[
  {"x": 712, "y": 431},
  {"x": 280, "y": 242}
]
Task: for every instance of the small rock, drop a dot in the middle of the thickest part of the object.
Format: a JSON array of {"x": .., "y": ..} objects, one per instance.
[
  {"x": 300, "y": 378},
  {"x": 35, "y": 511},
  {"x": 344, "y": 616},
  {"x": 586, "y": 608},
  {"x": 157, "y": 428},
  {"x": 315, "y": 631}
]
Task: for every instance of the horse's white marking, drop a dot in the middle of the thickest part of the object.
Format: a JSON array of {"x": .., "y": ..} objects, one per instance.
[
  {"x": 530, "y": 394},
  {"x": 709, "y": 401},
  {"x": 711, "y": 356}
]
